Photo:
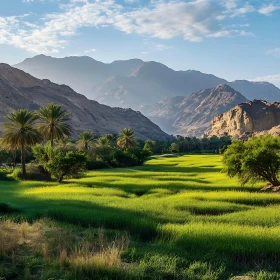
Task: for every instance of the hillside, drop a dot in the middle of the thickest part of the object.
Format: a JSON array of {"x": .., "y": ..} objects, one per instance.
[
  {"x": 192, "y": 115},
  {"x": 134, "y": 83},
  {"x": 253, "y": 117},
  {"x": 20, "y": 90}
]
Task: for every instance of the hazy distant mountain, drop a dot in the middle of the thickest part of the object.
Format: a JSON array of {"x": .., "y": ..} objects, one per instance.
[
  {"x": 134, "y": 83},
  {"x": 253, "y": 117},
  {"x": 192, "y": 115},
  {"x": 20, "y": 90}
]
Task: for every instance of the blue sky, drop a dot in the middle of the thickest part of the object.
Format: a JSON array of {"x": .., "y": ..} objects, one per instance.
[{"x": 232, "y": 39}]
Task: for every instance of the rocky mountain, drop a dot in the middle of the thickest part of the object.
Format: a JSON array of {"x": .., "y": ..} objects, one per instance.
[
  {"x": 253, "y": 117},
  {"x": 21, "y": 90},
  {"x": 134, "y": 83},
  {"x": 192, "y": 114}
]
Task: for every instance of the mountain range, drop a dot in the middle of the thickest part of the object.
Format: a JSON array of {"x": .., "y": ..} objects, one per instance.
[
  {"x": 192, "y": 114},
  {"x": 21, "y": 90},
  {"x": 134, "y": 83}
]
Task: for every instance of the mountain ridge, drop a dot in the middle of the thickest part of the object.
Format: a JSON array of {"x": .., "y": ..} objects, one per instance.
[
  {"x": 192, "y": 114},
  {"x": 20, "y": 90},
  {"x": 134, "y": 83}
]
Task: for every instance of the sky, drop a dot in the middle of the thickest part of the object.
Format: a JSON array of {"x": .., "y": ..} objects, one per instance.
[{"x": 232, "y": 39}]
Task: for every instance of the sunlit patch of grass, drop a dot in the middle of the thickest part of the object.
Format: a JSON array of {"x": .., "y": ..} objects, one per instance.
[
  {"x": 182, "y": 214},
  {"x": 242, "y": 243}
]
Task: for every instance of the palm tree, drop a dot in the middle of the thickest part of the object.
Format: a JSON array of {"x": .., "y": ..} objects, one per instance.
[
  {"x": 20, "y": 132},
  {"x": 53, "y": 123},
  {"x": 85, "y": 139},
  {"x": 126, "y": 139},
  {"x": 102, "y": 142}
]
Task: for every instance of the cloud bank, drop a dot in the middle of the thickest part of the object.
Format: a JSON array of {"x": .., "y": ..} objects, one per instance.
[{"x": 192, "y": 20}]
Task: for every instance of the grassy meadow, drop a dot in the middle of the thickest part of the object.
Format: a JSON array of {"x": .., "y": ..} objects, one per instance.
[{"x": 176, "y": 217}]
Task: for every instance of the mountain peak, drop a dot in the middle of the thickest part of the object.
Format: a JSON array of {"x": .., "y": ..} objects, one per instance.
[{"x": 224, "y": 87}]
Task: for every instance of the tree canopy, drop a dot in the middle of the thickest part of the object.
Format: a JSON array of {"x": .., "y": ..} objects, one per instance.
[
  {"x": 20, "y": 132},
  {"x": 257, "y": 159}
]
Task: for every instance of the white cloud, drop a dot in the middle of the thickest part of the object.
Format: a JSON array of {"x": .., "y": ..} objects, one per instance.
[
  {"x": 275, "y": 52},
  {"x": 90, "y": 51},
  {"x": 267, "y": 10},
  {"x": 193, "y": 20},
  {"x": 161, "y": 47},
  {"x": 274, "y": 79}
]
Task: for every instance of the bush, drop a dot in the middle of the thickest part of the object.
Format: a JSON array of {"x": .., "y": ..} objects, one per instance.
[
  {"x": 96, "y": 164},
  {"x": 130, "y": 157},
  {"x": 33, "y": 173}
]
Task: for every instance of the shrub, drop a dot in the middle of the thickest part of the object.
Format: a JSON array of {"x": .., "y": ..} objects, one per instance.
[
  {"x": 33, "y": 172},
  {"x": 96, "y": 164},
  {"x": 127, "y": 158}
]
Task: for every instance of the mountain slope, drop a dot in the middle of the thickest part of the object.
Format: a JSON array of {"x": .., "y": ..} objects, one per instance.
[
  {"x": 134, "y": 83},
  {"x": 20, "y": 90},
  {"x": 192, "y": 115},
  {"x": 247, "y": 118}
]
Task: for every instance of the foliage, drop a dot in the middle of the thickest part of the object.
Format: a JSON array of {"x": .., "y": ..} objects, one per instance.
[
  {"x": 59, "y": 163},
  {"x": 54, "y": 122},
  {"x": 126, "y": 139},
  {"x": 20, "y": 132},
  {"x": 6, "y": 157},
  {"x": 96, "y": 164},
  {"x": 254, "y": 160},
  {"x": 85, "y": 139},
  {"x": 150, "y": 146},
  {"x": 33, "y": 173},
  {"x": 129, "y": 157}
]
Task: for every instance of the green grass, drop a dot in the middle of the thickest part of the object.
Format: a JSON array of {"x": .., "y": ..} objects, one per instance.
[{"x": 183, "y": 215}]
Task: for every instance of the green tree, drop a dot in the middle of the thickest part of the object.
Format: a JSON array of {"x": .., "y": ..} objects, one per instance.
[
  {"x": 150, "y": 146},
  {"x": 255, "y": 160},
  {"x": 174, "y": 147},
  {"x": 54, "y": 122},
  {"x": 85, "y": 139},
  {"x": 60, "y": 163},
  {"x": 20, "y": 132},
  {"x": 126, "y": 139}
]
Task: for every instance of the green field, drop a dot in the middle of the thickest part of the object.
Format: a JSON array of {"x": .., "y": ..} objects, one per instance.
[{"x": 180, "y": 217}]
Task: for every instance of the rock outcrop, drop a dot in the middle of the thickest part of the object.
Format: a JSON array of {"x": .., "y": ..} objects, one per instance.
[
  {"x": 21, "y": 90},
  {"x": 192, "y": 114},
  {"x": 251, "y": 118}
]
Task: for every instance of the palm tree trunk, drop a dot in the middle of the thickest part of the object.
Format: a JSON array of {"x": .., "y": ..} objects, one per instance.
[
  {"x": 23, "y": 161},
  {"x": 52, "y": 142}
]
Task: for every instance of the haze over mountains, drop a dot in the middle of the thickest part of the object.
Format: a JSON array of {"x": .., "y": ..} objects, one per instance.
[
  {"x": 180, "y": 102},
  {"x": 134, "y": 83},
  {"x": 192, "y": 114},
  {"x": 21, "y": 90}
]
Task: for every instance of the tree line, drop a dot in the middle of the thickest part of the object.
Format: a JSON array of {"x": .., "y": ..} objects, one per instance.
[{"x": 44, "y": 137}]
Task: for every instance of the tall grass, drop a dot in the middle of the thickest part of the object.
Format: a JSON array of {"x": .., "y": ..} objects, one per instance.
[{"x": 183, "y": 215}]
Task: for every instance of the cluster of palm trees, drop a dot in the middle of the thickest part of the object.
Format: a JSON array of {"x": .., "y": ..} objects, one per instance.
[{"x": 25, "y": 128}]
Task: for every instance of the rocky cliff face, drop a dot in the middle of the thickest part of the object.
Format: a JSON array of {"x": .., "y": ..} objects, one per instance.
[
  {"x": 192, "y": 114},
  {"x": 20, "y": 90},
  {"x": 253, "y": 117}
]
